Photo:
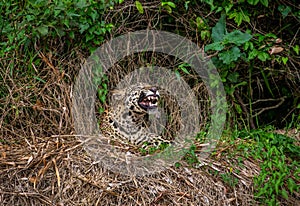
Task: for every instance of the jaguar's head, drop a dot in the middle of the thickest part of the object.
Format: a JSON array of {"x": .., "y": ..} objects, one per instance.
[
  {"x": 138, "y": 98},
  {"x": 148, "y": 98},
  {"x": 142, "y": 98}
]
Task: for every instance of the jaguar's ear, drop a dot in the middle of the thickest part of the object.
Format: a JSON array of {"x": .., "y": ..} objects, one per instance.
[{"x": 116, "y": 95}]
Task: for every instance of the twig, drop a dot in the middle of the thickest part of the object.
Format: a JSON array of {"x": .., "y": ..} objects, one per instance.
[{"x": 268, "y": 108}]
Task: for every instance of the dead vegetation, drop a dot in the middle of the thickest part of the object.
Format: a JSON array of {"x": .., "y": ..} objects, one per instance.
[
  {"x": 43, "y": 163},
  {"x": 56, "y": 171}
]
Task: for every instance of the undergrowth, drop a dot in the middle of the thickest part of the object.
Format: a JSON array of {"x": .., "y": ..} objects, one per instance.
[{"x": 278, "y": 156}]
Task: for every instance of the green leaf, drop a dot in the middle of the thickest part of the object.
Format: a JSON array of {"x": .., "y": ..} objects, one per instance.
[
  {"x": 243, "y": 83},
  {"x": 247, "y": 45},
  {"x": 210, "y": 3},
  {"x": 228, "y": 7},
  {"x": 72, "y": 34},
  {"x": 101, "y": 110},
  {"x": 253, "y": 54},
  {"x": 233, "y": 77},
  {"x": 284, "y": 60},
  {"x": 39, "y": 79},
  {"x": 168, "y": 8},
  {"x": 238, "y": 107},
  {"x": 200, "y": 23},
  {"x": 139, "y": 7},
  {"x": 284, "y": 10},
  {"x": 291, "y": 185},
  {"x": 237, "y": 16},
  {"x": 186, "y": 5},
  {"x": 219, "y": 30},
  {"x": 217, "y": 46},
  {"x": 237, "y": 37},
  {"x": 230, "y": 56},
  {"x": 284, "y": 194},
  {"x": 204, "y": 34},
  {"x": 169, "y": 3},
  {"x": 265, "y": 2},
  {"x": 253, "y": 2},
  {"x": 296, "y": 49},
  {"x": 246, "y": 18},
  {"x": 83, "y": 27},
  {"x": 183, "y": 66},
  {"x": 43, "y": 30},
  {"x": 266, "y": 81},
  {"x": 263, "y": 56},
  {"x": 81, "y": 4}
]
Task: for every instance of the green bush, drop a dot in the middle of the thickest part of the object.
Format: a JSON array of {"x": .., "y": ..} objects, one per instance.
[{"x": 78, "y": 21}]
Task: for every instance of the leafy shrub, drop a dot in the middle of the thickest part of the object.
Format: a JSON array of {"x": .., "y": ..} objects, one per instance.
[{"x": 23, "y": 23}]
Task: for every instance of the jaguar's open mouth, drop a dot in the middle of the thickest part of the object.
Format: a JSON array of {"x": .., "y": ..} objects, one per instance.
[{"x": 149, "y": 102}]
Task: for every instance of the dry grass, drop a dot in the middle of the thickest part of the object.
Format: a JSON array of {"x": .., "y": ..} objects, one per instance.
[
  {"x": 43, "y": 163},
  {"x": 57, "y": 171}
]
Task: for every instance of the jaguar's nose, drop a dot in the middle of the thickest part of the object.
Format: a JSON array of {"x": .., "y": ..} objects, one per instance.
[{"x": 153, "y": 89}]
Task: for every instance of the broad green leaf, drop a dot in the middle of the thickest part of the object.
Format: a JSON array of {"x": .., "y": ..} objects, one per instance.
[
  {"x": 230, "y": 56},
  {"x": 139, "y": 7},
  {"x": 219, "y": 30},
  {"x": 284, "y": 10},
  {"x": 246, "y": 45},
  {"x": 239, "y": 18},
  {"x": 253, "y": 54},
  {"x": 284, "y": 60},
  {"x": 237, "y": 37},
  {"x": 217, "y": 46},
  {"x": 253, "y": 2},
  {"x": 263, "y": 56}
]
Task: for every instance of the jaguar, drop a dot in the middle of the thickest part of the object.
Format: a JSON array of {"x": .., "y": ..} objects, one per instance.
[{"x": 127, "y": 119}]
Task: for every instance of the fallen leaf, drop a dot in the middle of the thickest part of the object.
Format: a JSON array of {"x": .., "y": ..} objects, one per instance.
[
  {"x": 275, "y": 50},
  {"x": 278, "y": 40}
]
